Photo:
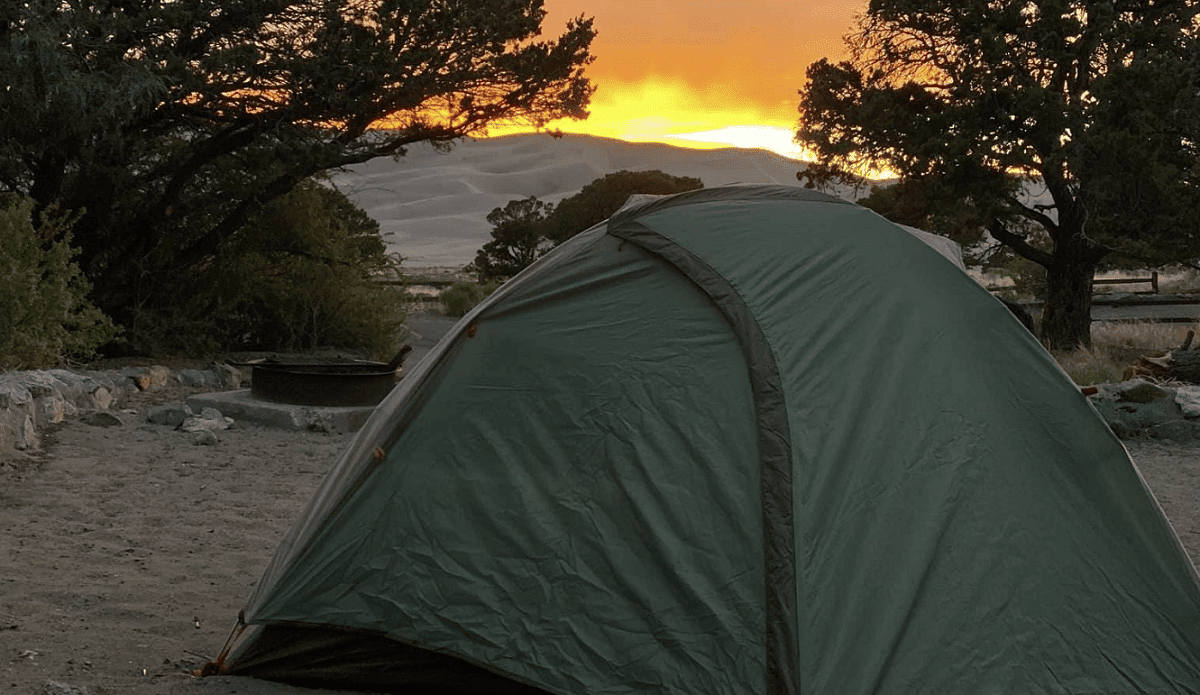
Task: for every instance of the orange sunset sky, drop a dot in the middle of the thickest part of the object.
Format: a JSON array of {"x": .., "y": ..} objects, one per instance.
[{"x": 700, "y": 73}]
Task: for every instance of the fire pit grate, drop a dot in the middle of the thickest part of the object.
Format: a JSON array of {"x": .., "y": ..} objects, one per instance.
[{"x": 324, "y": 382}]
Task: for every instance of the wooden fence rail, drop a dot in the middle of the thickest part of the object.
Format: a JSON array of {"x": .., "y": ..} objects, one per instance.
[{"x": 1153, "y": 280}]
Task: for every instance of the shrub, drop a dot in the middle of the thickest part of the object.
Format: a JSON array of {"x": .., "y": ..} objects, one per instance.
[
  {"x": 526, "y": 229},
  {"x": 518, "y": 239},
  {"x": 45, "y": 315},
  {"x": 302, "y": 275},
  {"x": 461, "y": 297}
]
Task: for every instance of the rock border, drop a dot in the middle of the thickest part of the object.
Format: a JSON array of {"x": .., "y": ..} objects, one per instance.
[
  {"x": 1138, "y": 409},
  {"x": 32, "y": 401}
]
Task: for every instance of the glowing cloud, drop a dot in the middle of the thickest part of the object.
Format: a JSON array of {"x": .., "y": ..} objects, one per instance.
[
  {"x": 673, "y": 112},
  {"x": 702, "y": 73},
  {"x": 773, "y": 138}
]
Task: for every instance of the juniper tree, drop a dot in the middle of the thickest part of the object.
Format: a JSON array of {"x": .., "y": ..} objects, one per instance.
[
  {"x": 167, "y": 125},
  {"x": 1067, "y": 127}
]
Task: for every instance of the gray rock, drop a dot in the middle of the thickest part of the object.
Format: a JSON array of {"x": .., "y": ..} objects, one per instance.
[
  {"x": 195, "y": 378},
  {"x": 102, "y": 418},
  {"x": 210, "y": 413},
  {"x": 1188, "y": 398},
  {"x": 102, "y": 398},
  {"x": 52, "y": 409},
  {"x": 1133, "y": 416},
  {"x": 96, "y": 381},
  {"x": 218, "y": 376},
  {"x": 1140, "y": 391},
  {"x": 42, "y": 383},
  {"x": 8, "y": 439},
  {"x": 1105, "y": 393},
  {"x": 204, "y": 438},
  {"x": 1123, "y": 431},
  {"x": 117, "y": 384},
  {"x": 1174, "y": 430},
  {"x": 27, "y": 436},
  {"x": 12, "y": 392},
  {"x": 209, "y": 419},
  {"x": 69, "y": 385},
  {"x": 171, "y": 415},
  {"x": 57, "y": 688},
  {"x": 146, "y": 378},
  {"x": 228, "y": 377}
]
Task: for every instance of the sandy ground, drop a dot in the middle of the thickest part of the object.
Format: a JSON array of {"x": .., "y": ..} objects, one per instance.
[{"x": 126, "y": 551}]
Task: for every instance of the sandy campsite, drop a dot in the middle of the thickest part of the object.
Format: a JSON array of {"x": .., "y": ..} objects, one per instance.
[{"x": 128, "y": 550}]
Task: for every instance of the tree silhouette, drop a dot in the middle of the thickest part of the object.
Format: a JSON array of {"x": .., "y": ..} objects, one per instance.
[{"x": 1066, "y": 128}]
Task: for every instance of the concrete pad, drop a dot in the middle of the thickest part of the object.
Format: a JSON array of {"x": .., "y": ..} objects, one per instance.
[{"x": 242, "y": 407}]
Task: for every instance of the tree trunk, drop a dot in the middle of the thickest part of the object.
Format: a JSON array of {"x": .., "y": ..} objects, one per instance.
[{"x": 1067, "y": 315}]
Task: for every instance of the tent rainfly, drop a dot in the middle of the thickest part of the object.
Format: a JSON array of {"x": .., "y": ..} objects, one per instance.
[{"x": 747, "y": 439}]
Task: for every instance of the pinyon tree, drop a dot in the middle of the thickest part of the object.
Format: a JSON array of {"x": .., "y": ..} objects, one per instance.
[
  {"x": 518, "y": 239},
  {"x": 526, "y": 229},
  {"x": 167, "y": 125},
  {"x": 1067, "y": 128}
]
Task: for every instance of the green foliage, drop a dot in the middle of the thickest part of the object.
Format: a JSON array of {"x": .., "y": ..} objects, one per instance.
[
  {"x": 44, "y": 310},
  {"x": 524, "y": 230},
  {"x": 984, "y": 103},
  {"x": 919, "y": 203},
  {"x": 1143, "y": 158},
  {"x": 601, "y": 198},
  {"x": 167, "y": 126},
  {"x": 518, "y": 239},
  {"x": 461, "y": 297},
  {"x": 302, "y": 276}
]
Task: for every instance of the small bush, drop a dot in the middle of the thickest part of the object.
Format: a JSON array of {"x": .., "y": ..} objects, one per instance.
[
  {"x": 301, "y": 275},
  {"x": 461, "y": 297},
  {"x": 45, "y": 315}
]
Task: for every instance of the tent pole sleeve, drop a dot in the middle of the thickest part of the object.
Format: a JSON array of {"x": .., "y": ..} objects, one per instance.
[{"x": 774, "y": 451}]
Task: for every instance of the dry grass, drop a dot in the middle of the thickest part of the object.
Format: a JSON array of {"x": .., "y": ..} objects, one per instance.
[
  {"x": 1171, "y": 280},
  {"x": 1184, "y": 281},
  {"x": 1115, "y": 345}
]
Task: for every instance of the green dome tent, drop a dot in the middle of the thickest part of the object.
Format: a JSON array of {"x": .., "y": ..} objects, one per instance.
[{"x": 749, "y": 439}]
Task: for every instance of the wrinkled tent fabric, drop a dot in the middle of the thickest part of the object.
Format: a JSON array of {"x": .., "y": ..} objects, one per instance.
[
  {"x": 943, "y": 245},
  {"x": 741, "y": 439}
]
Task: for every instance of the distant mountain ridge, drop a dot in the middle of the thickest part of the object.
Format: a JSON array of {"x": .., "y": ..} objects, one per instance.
[{"x": 432, "y": 206}]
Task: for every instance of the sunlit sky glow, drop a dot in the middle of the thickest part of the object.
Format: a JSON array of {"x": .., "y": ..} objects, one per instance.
[{"x": 703, "y": 73}]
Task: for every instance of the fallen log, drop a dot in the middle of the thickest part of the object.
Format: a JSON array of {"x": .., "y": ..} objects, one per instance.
[
  {"x": 1185, "y": 366},
  {"x": 1155, "y": 366},
  {"x": 1182, "y": 364}
]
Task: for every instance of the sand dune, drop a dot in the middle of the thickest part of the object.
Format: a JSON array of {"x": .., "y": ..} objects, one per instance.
[{"x": 432, "y": 206}]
